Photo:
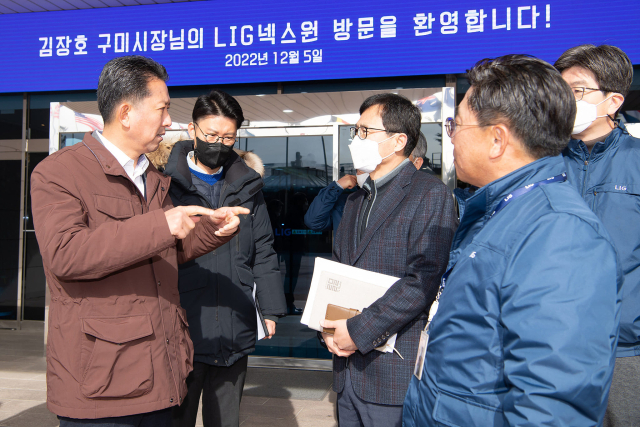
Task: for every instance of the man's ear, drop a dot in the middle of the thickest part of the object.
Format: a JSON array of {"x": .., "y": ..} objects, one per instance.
[
  {"x": 615, "y": 104},
  {"x": 418, "y": 162},
  {"x": 501, "y": 139},
  {"x": 192, "y": 131},
  {"x": 401, "y": 142},
  {"x": 123, "y": 114}
]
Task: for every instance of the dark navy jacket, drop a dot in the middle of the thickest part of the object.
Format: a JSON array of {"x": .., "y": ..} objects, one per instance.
[
  {"x": 527, "y": 325},
  {"x": 608, "y": 179},
  {"x": 325, "y": 211},
  {"x": 216, "y": 289}
]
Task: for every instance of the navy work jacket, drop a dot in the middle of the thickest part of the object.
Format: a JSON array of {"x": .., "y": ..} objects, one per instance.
[
  {"x": 528, "y": 321},
  {"x": 325, "y": 212},
  {"x": 608, "y": 179}
]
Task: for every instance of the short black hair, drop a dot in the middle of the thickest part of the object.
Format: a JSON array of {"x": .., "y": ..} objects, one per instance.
[
  {"x": 529, "y": 96},
  {"x": 611, "y": 67},
  {"x": 399, "y": 115},
  {"x": 126, "y": 79},
  {"x": 421, "y": 147},
  {"x": 218, "y": 103}
]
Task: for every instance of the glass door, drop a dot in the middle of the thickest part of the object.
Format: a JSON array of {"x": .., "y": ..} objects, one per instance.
[
  {"x": 297, "y": 166},
  {"x": 34, "y": 283}
]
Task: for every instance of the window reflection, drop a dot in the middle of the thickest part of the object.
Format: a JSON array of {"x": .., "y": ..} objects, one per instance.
[{"x": 296, "y": 169}]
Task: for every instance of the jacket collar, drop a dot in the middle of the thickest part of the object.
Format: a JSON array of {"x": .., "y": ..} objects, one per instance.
[
  {"x": 237, "y": 174},
  {"x": 478, "y": 208},
  {"x": 577, "y": 147},
  {"x": 112, "y": 167}
]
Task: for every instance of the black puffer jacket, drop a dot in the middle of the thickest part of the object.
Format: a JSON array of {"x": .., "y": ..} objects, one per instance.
[{"x": 216, "y": 289}]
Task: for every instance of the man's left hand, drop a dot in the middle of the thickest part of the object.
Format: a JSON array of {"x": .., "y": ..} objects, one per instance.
[
  {"x": 271, "y": 327},
  {"x": 226, "y": 218},
  {"x": 341, "y": 337}
]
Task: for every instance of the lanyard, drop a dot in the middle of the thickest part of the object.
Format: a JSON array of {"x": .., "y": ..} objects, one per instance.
[
  {"x": 503, "y": 203},
  {"x": 524, "y": 190}
]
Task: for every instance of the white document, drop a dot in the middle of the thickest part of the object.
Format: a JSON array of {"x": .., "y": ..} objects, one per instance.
[
  {"x": 259, "y": 319},
  {"x": 345, "y": 286}
]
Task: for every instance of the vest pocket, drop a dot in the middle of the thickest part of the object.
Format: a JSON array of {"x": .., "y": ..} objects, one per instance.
[
  {"x": 456, "y": 411},
  {"x": 120, "y": 364}
]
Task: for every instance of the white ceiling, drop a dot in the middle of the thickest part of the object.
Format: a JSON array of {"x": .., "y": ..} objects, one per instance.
[{"x": 269, "y": 108}]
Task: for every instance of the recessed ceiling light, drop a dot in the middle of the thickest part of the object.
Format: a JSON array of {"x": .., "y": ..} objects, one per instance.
[{"x": 287, "y": 111}]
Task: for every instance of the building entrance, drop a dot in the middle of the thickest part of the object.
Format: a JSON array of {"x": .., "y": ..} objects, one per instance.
[{"x": 302, "y": 140}]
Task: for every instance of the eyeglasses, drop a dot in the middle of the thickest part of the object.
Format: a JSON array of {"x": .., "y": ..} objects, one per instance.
[
  {"x": 451, "y": 126},
  {"x": 362, "y": 131},
  {"x": 213, "y": 138},
  {"x": 578, "y": 92}
]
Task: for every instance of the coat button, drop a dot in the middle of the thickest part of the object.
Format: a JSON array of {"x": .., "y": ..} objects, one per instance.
[
  {"x": 162, "y": 188},
  {"x": 215, "y": 361},
  {"x": 167, "y": 340},
  {"x": 387, "y": 333},
  {"x": 171, "y": 400},
  {"x": 158, "y": 283}
]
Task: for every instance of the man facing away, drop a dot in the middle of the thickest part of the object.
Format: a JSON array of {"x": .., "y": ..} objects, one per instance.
[
  {"x": 119, "y": 350},
  {"x": 401, "y": 224},
  {"x": 527, "y": 322},
  {"x": 602, "y": 162}
]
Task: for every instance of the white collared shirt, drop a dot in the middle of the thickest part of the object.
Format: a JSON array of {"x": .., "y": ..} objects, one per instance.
[{"x": 126, "y": 162}]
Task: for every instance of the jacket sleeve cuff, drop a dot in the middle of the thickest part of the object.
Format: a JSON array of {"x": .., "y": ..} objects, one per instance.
[{"x": 365, "y": 338}]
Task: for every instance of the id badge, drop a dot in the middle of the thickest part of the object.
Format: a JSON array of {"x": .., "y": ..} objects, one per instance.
[{"x": 422, "y": 352}]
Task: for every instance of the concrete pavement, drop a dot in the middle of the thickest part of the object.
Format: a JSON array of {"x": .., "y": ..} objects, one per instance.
[{"x": 272, "y": 397}]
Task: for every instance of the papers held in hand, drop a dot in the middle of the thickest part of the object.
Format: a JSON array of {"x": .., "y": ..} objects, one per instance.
[{"x": 344, "y": 286}]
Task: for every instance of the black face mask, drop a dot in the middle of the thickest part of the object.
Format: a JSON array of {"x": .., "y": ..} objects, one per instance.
[{"x": 211, "y": 155}]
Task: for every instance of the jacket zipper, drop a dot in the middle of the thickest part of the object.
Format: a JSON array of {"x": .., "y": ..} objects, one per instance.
[
  {"x": 586, "y": 174},
  {"x": 145, "y": 209},
  {"x": 375, "y": 195}
]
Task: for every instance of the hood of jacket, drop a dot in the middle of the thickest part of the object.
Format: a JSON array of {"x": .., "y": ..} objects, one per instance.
[
  {"x": 243, "y": 171},
  {"x": 160, "y": 157}
]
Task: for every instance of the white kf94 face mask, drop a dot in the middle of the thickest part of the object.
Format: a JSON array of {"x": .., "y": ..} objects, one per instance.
[
  {"x": 365, "y": 155},
  {"x": 586, "y": 114}
]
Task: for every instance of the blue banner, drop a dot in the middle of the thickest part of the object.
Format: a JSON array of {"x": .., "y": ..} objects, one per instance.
[{"x": 214, "y": 42}]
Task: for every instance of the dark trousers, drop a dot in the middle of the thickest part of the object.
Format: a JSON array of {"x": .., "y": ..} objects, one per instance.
[
  {"x": 355, "y": 412},
  {"x": 221, "y": 389},
  {"x": 624, "y": 401},
  {"x": 160, "y": 418}
]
